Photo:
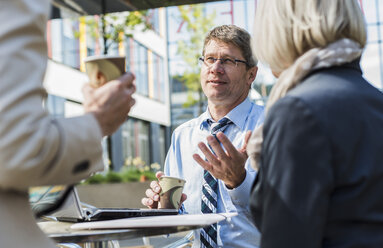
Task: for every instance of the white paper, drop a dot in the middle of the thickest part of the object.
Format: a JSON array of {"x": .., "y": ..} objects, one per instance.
[{"x": 157, "y": 221}]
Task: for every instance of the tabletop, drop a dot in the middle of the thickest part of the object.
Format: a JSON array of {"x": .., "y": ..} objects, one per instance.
[{"x": 61, "y": 232}]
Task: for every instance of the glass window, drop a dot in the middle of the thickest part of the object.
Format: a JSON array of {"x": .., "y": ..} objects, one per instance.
[
  {"x": 143, "y": 141},
  {"x": 128, "y": 141},
  {"x": 91, "y": 43},
  {"x": 371, "y": 64},
  {"x": 158, "y": 78},
  {"x": 161, "y": 146},
  {"x": 380, "y": 9},
  {"x": 155, "y": 68},
  {"x": 178, "y": 85},
  {"x": 135, "y": 140},
  {"x": 56, "y": 40},
  {"x": 55, "y": 106},
  {"x": 154, "y": 20},
  {"x": 144, "y": 70},
  {"x": 161, "y": 79},
  {"x": 70, "y": 43},
  {"x": 372, "y": 33},
  {"x": 139, "y": 66},
  {"x": 369, "y": 9}
]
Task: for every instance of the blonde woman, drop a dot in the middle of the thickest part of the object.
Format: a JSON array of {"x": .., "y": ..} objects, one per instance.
[{"x": 320, "y": 151}]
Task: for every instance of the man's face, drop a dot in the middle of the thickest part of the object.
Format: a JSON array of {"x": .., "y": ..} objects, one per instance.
[{"x": 224, "y": 84}]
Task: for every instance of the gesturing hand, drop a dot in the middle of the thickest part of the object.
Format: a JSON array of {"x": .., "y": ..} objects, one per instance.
[{"x": 228, "y": 166}]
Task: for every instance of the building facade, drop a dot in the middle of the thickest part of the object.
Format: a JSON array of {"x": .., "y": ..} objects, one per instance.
[{"x": 145, "y": 133}]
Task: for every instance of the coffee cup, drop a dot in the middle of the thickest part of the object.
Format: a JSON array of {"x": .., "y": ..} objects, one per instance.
[
  {"x": 171, "y": 192},
  {"x": 104, "y": 68}
]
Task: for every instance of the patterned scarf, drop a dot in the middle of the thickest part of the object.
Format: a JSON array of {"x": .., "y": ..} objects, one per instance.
[{"x": 337, "y": 53}]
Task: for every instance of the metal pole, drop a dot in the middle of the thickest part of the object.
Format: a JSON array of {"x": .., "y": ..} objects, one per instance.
[{"x": 103, "y": 10}]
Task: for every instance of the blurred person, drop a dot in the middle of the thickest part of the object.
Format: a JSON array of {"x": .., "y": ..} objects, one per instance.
[
  {"x": 34, "y": 148},
  {"x": 321, "y": 162},
  {"x": 228, "y": 69}
]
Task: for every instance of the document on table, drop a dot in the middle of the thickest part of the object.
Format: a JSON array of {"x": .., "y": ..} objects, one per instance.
[{"x": 157, "y": 221}]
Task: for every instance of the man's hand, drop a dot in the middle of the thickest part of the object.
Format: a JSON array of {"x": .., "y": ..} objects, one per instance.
[
  {"x": 110, "y": 103},
  {"x": 228, "y": 166},
  {"x": 153, "y": 197}
]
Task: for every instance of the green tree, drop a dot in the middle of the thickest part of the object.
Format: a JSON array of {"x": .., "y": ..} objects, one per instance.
[
  {"x": 113, "y": 27},
  {"x": 197, "y": 25}
]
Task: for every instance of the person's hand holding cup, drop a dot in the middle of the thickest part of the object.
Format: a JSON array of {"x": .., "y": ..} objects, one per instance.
[
  {"x": 165, "y": 193},
  {"x": 108, "y": 96}
]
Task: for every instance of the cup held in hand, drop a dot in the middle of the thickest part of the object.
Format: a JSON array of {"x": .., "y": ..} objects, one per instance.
[
  {"x": 104, "y": 68},
  {"x": 171, "y": 192}
]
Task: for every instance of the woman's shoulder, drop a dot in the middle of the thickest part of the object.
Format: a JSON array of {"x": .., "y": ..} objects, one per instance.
[{"x": 330, "y": 86}]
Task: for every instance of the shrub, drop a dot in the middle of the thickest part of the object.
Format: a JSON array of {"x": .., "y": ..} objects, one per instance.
[
  {"x": 134, "y": 170},
  {"x": 95, "y": 179},
  {"x": 113, "y": 177},
  {"x": 131, "y": 175}
]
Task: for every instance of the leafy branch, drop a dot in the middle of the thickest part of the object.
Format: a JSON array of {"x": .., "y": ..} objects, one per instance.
[
  {"x": 114, "y": 27},
  {"x": 197, "y": 25}
]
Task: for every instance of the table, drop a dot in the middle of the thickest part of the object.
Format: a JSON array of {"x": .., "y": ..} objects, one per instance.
[{"x": 61, "y": 232}]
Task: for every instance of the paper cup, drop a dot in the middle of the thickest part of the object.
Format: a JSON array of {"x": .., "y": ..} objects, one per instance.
[
  {"x": 171, "y": 192},
  {"x": 104, "y": 68}
]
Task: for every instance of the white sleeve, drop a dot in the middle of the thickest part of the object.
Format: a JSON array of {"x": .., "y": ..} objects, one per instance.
[
  {"x": 240, "y": 195},
  {"x": 35, "y": 149}
]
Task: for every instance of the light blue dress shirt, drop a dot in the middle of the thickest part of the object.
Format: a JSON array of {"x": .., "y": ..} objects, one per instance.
[{"x": 240, "y": 231}]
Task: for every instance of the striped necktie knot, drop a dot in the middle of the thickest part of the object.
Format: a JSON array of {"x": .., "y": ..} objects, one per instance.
[{"x": 219, "y": 126}]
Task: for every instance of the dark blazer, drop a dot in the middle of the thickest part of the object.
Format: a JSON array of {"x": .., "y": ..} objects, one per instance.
[{"x": 320, "y": 183}]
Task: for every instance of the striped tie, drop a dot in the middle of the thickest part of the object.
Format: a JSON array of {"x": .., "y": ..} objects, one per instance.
[{"x": 209, "y": 193}]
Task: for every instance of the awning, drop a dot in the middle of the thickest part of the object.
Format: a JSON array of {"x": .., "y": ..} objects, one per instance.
[{"x": 94, "y": 7}]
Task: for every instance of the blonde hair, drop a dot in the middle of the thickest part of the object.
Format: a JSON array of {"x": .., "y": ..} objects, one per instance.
[{"x": 286, "y": 29}]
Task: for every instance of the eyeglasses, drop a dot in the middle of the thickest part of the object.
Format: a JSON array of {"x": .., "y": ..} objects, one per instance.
[{"x": 225, "y": 62}]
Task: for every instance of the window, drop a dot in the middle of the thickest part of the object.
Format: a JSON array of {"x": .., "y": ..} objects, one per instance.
[
  {"x": 161, "y": 145},
  {"x": 135, "y": 140},
  {"x": 154, "y": 20},
  {"x": 138, "y": 64},
  {"x": 143, "y": 140},
  {"x": 158, "y": 78},
  {"x": 70, "y": 44},
  {"x": 55, "y": 106}
]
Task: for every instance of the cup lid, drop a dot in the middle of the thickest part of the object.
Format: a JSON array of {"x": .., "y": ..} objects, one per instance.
[{"x": 173, "y": 178}]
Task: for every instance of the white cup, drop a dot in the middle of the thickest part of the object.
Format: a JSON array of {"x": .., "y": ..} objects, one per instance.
[{"x": 104, "y": 68}]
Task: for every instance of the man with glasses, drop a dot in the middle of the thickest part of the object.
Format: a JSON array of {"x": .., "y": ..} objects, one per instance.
[{"x": 219, "y": 177}]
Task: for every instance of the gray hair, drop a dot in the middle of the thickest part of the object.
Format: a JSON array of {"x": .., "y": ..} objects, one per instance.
[{"x": 236, "y": 36}]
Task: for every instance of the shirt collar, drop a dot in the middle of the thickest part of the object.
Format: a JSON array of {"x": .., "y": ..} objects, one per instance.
[{"x": 238, "y": 115}]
